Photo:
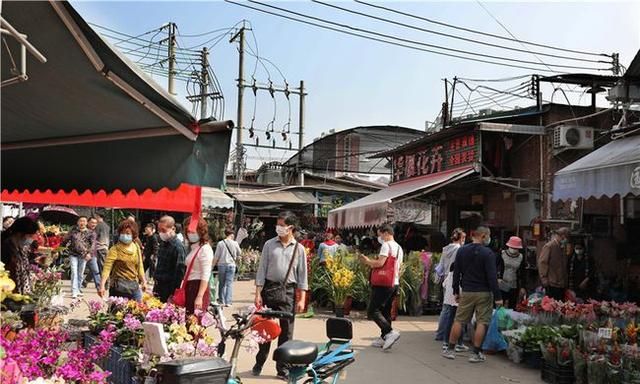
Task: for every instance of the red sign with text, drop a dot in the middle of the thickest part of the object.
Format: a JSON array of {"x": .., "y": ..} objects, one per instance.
[{"x": 437, "y": 157}]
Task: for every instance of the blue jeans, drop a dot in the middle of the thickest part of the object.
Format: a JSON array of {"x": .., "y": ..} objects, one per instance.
[
  {"x": 94, "y": 269},
  {"x": 445, "y": 323},
  {"x": 226, "y": 275},
  {"x": 77, "y": 264}
]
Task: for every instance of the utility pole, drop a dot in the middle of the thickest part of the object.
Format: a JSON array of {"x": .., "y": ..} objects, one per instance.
[
  {"x": 204, "y": 82},
  {"x": 445, "y": 105},
  {"x": 453, "y": 95},
  {"x": 172, "y": 58},
  {"x": 301, "y": 117},
  {"x": 239, "y": 158}
]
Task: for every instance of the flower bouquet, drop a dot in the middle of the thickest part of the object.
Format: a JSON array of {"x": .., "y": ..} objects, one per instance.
[{"x": 46, "y": 284}]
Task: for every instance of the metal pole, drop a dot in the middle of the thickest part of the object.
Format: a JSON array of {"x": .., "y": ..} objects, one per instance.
[
  {"x": 204, "y": 83},
  {"x": 301, "y": 117},
  {"x": 240, "y": 36},
  {"x": 453, "y": 95},
  {"x": 445, "y": 109},
  {"x": 172, "y": 58},
  {"x": 538, "y": 93}
]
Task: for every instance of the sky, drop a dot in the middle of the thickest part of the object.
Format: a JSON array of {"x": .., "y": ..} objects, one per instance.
[{"x": 355, "y": 82}]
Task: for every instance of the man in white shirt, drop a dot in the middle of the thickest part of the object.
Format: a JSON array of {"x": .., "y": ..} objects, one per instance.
[{"x": 379, "y": 309}]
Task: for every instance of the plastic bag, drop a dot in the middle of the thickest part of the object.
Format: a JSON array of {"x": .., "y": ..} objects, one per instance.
[
  {"x": 494, "y": 341},
  {"x": 504, "y": 319}
]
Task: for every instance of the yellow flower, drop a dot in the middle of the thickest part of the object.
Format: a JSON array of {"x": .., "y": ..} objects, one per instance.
[{"x": 119, "y": 315}]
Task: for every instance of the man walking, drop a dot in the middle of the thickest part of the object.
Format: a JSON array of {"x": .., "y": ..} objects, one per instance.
[
  {"x": 92, "y": 263},
  {"x": 171, "y": 260},
  {"x": 150, "y": 250},
  {"x": 282, "y": 270},
  {"x": 379, "y": 309},
  {"x": 81, "y": 243},
  {"x": 102, "y": 239},
  {"x": 474, "y": 272},
  {"x": 553, "y": 263}
]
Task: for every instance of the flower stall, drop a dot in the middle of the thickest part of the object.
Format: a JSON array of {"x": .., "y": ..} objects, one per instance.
[{"x": 594, "y": 342}]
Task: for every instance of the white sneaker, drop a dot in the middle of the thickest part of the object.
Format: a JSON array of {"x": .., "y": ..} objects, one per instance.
[
  {"x": 445, "y": 346},
  {"x": 462, "y": 348},
  {"x": 378, "y": 343},
  {"x": 390, "y": 339},
  {"x": 449, "y": 354},
  {"x": 477, "y": 358}
]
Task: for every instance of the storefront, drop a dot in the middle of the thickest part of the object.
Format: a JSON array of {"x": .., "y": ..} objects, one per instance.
[{"x": 601, "y": 192}]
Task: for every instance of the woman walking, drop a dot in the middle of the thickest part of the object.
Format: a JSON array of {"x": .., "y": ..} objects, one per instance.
[
  {"x": 227, "y": 252},
  {"x": 199, "y": 264},
  {"x": 124, "y": 265},
  {"x": 15, "y": 252}
]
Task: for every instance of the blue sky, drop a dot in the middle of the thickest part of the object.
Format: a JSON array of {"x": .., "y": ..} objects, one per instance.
[{"x": 353, "y": 82}]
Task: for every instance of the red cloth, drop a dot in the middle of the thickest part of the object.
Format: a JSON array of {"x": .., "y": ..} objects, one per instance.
[
  {"x": 307, "y": 243},
  {"x": 330, "y": 242}
]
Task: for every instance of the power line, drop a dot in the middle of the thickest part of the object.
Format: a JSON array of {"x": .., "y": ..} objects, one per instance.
[
  {"x": 450, "y": 35},
  {"x": 387, "y": 41},
  {"x": 388, "y": 9},
  {"x": 393, "y": 37}
]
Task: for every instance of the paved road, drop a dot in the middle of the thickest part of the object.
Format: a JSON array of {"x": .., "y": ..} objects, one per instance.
[{"x": 414, "y": 359}]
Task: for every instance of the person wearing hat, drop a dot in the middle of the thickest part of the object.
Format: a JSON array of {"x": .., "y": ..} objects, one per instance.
[{"x": 509, "y": 264}]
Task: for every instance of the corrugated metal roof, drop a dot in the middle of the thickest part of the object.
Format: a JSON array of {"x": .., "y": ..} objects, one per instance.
[{"x": 282, "y": 197}]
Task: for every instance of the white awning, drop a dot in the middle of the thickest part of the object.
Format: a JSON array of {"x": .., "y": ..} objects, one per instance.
[
  {"x": 613, "y": 169},
  {"x": 214, "y": 198},
  {"x": 372, "y": 210}
]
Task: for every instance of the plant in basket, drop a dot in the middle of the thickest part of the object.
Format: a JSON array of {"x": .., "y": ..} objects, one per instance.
[{"x": 580, "y": 365}]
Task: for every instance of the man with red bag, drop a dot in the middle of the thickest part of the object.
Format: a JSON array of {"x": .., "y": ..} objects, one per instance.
[{"x": 385, "y": 279}]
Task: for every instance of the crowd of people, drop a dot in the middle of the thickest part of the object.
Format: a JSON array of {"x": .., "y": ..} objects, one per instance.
[{"x": 474, "y": 277}]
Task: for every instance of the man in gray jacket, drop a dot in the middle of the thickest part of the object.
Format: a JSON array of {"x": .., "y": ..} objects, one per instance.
[{"x": 283, "y": 266}]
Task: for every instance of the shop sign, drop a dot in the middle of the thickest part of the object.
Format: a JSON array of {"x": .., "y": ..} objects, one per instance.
[
  {"x": 635, "y": 178},
  {"x": 436, "y": 157}
]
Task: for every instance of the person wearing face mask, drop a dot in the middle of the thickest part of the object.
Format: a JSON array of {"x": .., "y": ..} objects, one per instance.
[
  {"x": 81, "y": 243},
  {"x": 379, "y": 309},
  {"x": 227, "y": 252},
  {"x": 16, "y": 242},
  {"x": 580, "y": 273},
  {"x": 150, "y": 250},
  {"x": 509, "y": 263},
  {"x": 170, "y": 267},
  {"x": 200, "y": 262},
  {"x": 553, "y": 263},
  {"x": 282, "y": 270},
  {"x": 123, "y": 266},
  {"x": 475, "y": 288}
]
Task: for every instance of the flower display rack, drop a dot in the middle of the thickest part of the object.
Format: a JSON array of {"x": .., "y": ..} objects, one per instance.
[{"x": 122, "y": 371}]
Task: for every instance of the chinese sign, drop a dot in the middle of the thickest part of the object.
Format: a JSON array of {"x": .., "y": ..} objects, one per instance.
[{"x": 436, "y": 157}]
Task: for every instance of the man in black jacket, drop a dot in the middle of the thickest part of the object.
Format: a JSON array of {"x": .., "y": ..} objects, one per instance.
[
  {"x": 475, "y": 287},
  {"x": 171, "y": 260},
  {"x": 151, "y": 247}
]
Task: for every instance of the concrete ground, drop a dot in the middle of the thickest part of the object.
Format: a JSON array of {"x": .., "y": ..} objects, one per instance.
[{"x": 414, "y": 359}]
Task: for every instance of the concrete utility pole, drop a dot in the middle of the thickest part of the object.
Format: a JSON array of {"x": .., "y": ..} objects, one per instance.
[
  {"x": 172, "y": 58},
  {"x": 301, "y": 117},
  {"x": 616, "y": 63},
  {"x": 453, "y": 96},
  {"x": 204, "y": 82},
  {"x": 445, "y": 105},
  {"x": 239, "y": 159}
]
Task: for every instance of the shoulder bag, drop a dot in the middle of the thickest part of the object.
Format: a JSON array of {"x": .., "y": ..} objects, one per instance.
[
  {"x": 276, "y": 293},
  {"x": 385, "y": 276},
  {"x": 125, "y": 288},
  {"x": 179, "y": 297},
  {"x": 234, "y": 257}
]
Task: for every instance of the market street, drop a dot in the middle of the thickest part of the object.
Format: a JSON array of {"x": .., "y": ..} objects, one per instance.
[{"x": 415, "y": 358}]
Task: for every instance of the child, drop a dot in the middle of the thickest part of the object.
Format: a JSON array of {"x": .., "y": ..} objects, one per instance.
[{"x": 450, "y": 307}]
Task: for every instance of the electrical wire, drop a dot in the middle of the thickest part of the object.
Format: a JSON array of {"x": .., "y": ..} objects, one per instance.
[
  {"x": 387, "y": 41},
  {"x": 410, "y": 26},
  {"x": 504, "y": 79},
  {"x": 388, "y": 9},
  {"x": 393, "y": 37}
]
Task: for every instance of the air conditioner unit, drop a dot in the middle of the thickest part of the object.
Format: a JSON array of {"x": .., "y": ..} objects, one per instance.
[{"x": 573, "y": 137}]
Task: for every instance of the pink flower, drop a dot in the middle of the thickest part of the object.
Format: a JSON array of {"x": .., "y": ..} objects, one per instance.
[
  {"x": 207, "y": 320},
  {"x": 131, "y": 322}
]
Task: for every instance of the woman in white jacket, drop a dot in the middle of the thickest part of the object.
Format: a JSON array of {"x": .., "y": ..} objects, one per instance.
[{"x": 448, "y": 257}]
